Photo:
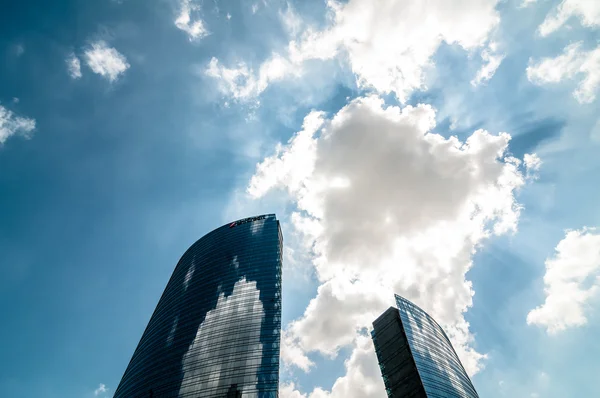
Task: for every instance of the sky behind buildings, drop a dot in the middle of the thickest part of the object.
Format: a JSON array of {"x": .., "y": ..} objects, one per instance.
[{"x": 446, "y": 152}]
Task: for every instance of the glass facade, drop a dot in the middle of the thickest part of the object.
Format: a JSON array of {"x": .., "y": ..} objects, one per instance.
[
  {"x": 421, "y": 354},
  {"x": 397, "y": 365},
  {"x": 216, "y": 329}
]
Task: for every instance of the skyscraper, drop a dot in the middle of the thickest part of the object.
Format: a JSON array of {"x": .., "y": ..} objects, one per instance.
[
  {"x": 416, "y": 357},
  {"x": 216, "y": 329}
]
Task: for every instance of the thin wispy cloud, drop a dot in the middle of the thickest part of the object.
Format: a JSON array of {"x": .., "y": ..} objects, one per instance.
[
  {"x": 242, "y": 83},
  {"x": 492, "y": 58},
  {"x": 101, "y": 390},
  {"x": 574, "y": 63},
  {"x": 11, "y": 124},
  {"x": 19, "y": 49},
  {"x": 193, "y": 26},
  {"x": 532, "y": 163},
  {"x": 527, "y": 3},
  {"x": 586, "y": 11},
  {"x": 73, "y": 66}
]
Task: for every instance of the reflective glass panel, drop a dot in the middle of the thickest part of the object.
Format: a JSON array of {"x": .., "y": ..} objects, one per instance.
[
  {"x": 440, "y": 369},
  {"x": 216, "y": 329}
]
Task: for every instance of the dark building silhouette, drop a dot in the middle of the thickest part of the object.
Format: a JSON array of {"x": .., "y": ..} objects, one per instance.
[
  {"x": 416, "y": 357},
  {"x": 216, "y": 329}
]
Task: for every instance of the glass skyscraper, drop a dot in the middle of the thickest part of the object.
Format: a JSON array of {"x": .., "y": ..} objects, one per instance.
[
  {"x": 416, "y": 357},
  {"x": 216, "y": 329}
]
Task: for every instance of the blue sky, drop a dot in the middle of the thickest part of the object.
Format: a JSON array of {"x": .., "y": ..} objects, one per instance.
[{"x": 128, "y": 129}]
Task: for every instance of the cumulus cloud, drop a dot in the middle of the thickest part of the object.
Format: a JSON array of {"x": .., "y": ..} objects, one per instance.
[
  {"x": 363, "y": 376},
  {"x": 388, "y": 44},
  {"x": 587, "y": 11},
  {"x": 288, "y": 390},
  {"x": 362, "y": 379},
  {"x": 195, "y": 29},
  {"x": 106, "y": 61},
  {"x": 73, "y": 66},
  {"x": 293, "y": 354},
  {"x": 573, "y": 63},
  {"x": 387, "y": 206},
  {"x": 572, "y": 279},
  {"x": 10, "y": 124},
  {"x": 492, "y": 59}
]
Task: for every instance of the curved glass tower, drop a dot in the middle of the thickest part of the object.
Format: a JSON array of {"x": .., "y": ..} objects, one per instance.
[
  {"x": 216, "y": 329},
  {"x": 416, "y": 357}
]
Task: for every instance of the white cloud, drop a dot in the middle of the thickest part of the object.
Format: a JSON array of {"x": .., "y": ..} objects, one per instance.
[
  {"x": 377, "y": 193},
  {"x": 194, "y": 28},
  {"x": 363, "y": 376},
  {"x": 349, "y": 307},
  {"x": 362, "y": 379},
  {"x": 288, "y": 390},
  {"x": 293, "y": 354},
  {"x": 572, "y": 278},
  {"x": 573, "y": 63},
  {"x": 73, "y": 66},
  {"x": 532, "y": 164},
  {"x": 242, "y": 82},
  {"x": 291, "y": 21},
  {"x": 527, "y": 3},
  {"x": 100, "y": 390},
  {"x": 492, "y": 59},
  {"x": 11, "y": 125},
  {"x": 588, "y": 12},
  {"x": 106, "y": 61},
  {"x": 387, "y": 43}
]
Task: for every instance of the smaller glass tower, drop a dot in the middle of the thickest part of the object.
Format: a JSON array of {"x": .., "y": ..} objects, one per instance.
[{"x": 416, "y": 357}]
